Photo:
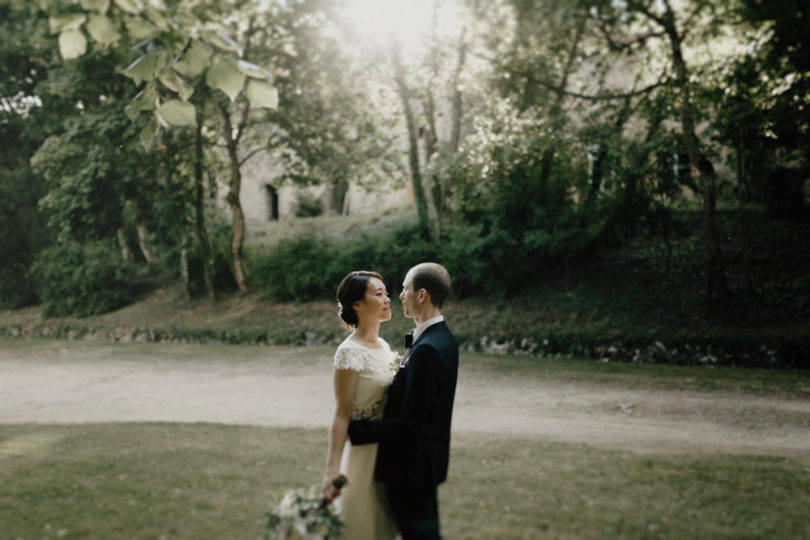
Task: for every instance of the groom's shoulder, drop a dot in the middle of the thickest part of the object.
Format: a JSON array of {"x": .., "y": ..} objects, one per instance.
[{"x": 442, "y": 335}]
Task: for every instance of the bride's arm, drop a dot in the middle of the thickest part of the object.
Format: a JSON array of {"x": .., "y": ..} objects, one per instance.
[{"x": 344, "y": 382}]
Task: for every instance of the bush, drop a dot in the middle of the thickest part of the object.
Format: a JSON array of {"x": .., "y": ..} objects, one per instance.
[
  {"x": 296, "y": 269},
  {"x": 310, "y": 267},
  {"x": 82, "y": 279}
]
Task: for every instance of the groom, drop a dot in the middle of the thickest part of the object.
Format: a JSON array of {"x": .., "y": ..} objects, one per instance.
[{"x": 414, "y": 433}]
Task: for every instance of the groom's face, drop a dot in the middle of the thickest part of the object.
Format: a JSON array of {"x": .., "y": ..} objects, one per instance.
[{"x": 408, "y": 297}]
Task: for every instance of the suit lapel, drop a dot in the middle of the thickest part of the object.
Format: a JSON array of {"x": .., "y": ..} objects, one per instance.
[{"x": 427, "y": 331}]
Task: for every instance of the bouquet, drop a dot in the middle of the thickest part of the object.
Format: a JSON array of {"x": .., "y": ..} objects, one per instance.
[
  {"x": 396, "y": 360},
  {"x": 304, "y": 514}
]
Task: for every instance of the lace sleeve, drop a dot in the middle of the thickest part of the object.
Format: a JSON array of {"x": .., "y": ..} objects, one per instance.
[{"x": 349, "y": 358}]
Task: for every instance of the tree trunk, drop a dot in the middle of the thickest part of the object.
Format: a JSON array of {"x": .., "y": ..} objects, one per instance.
[
  {"x": 744, "y": 195},
  {"x": 143, "y": 242},
  {"x": 413, "y": 144},
  {"x": 184, "y": 242},
  {"x": 432, "y": 189},
  {"x": 122, "y": 243},
  {"x": 456, "y": 112},
  {"x": 716, "y": 283},
  {"x": 556, "y": 108},
  {"x": 344, "y": 211},
  {"x": 600, "y": 161},
  {"x": 238, "y": 216},
  {"x": 455, "y": 96},
  {"x": 206, "y": 253}
]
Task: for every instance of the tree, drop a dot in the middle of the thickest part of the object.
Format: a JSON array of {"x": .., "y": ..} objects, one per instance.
[
  {"x": 761, "y": 106},
  {"x": 648, "y": 28},
  {"x": 428, "y": 74},
  {"x": 177, "y": 45},
  {"x": 23, "y": 126},
  {"x": 90, "y": 181},
  {"x": 331, "y": 127}
]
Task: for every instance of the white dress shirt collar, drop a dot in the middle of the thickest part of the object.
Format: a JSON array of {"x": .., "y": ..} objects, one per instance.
[{"x": 425, "y": 325}]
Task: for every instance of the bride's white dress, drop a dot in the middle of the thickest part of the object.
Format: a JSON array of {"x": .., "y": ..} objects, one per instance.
[{"x": 363, "y": 503}]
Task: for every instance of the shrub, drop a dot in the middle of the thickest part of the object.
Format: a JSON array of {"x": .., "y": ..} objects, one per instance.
[
  {"x": 22, "y": 234},
  {"x": 297, "y": 269},
  {"x": 390, "y": 251},
  {"x": 82, "y": 279},
  {"x": 310, "y": 267}
]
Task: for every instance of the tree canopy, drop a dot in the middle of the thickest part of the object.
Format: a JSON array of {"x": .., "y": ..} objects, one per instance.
[{"x": 548, "y": 128}]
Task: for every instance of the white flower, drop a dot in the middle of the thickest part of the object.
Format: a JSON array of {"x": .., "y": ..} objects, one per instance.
[
  {"x": 302, "y": 513},
  {"x": 287, "y": 506},
  {"x": 396, "y": 360}
]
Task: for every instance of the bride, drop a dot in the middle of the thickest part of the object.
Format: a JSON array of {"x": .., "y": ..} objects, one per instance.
[{"x": 363, "y": 371}]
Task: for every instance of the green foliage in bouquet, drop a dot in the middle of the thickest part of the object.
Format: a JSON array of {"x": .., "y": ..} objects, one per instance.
[{"x": 304, "y": 514}]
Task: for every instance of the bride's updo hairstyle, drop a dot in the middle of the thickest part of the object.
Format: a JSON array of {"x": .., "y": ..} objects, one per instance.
[{"x": 352, "y": 288}]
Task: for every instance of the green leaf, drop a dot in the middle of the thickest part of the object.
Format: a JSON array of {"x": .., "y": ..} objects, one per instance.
[
  {"x": 220, "y": 41},
  {"x": 178, "y": 113},
  {"x": 262, "y": 94},
  {"x": 130, "y": 6},
  {"x": 175, "y": 83},
  {"x": 60, "y": 23},
  {"x": 149, "y": 133},
  {"x": 144, "y": 68},
  {"x": 159, "y": 19},
  {"x": 72, "y": 44},
  {"x": 185, "y": 19},
  {"x": 140, "y": 29},
  {"x": 99, "y": 6},
  {"x": 102, "y": 29},
  {"x": 47, "y": 5},
  {"x": 225, "y": 76},
  {"x": 143, "y": 101},
  {"x": 252, "y": 70},
  {"x": 193, "y": 61}
]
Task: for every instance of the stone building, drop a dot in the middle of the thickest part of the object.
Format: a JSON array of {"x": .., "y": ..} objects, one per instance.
[{"x": 265, "y": 198}]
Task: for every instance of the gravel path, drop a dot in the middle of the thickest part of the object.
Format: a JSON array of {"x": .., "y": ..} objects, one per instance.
[{"x": 77, "y": 382}]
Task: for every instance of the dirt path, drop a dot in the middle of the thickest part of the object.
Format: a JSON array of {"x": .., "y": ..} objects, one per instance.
[{"x": 64, "y": 382}]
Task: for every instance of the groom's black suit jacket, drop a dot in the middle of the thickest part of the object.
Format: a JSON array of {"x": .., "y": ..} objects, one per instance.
[{"x": 414, "y": 433}]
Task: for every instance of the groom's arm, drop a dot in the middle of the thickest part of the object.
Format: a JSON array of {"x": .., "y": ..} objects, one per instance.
[{"x": 422, "y": 382}]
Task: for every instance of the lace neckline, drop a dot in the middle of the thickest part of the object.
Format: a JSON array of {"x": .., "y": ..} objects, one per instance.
[
  {"x": 360, "y": 344},
  {"x": 350, "y": 342}
]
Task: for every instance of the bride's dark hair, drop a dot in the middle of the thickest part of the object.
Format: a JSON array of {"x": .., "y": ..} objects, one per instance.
[{"x": 351, "y": 289}]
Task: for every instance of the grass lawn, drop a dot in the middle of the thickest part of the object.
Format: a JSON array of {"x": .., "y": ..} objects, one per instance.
[{"x": 213, "y": 481}]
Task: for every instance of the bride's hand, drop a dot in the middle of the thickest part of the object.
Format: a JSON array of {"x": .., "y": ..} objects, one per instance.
[{"x": 330, "y": 492}]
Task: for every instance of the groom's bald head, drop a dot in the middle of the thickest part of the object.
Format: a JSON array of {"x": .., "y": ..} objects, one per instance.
[{"x": 434, "y": 278}]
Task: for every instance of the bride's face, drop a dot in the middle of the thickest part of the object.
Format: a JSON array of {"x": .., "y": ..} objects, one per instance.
[{"x": 375, "y": 305}]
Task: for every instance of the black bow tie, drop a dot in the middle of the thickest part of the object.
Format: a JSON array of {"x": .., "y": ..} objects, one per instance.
[{"x": 408, "y": 340}]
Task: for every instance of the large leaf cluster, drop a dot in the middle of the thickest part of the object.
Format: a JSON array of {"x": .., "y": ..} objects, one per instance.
[{"x": 177, "y": 43}]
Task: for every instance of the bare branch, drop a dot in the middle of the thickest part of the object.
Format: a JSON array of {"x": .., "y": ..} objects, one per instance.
[
  {"x": 620, "y": 46},
  {"x": 250, "y": 155},
  {"x": 663, "y": 80},
  {"x": 641, "y": 8}
]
